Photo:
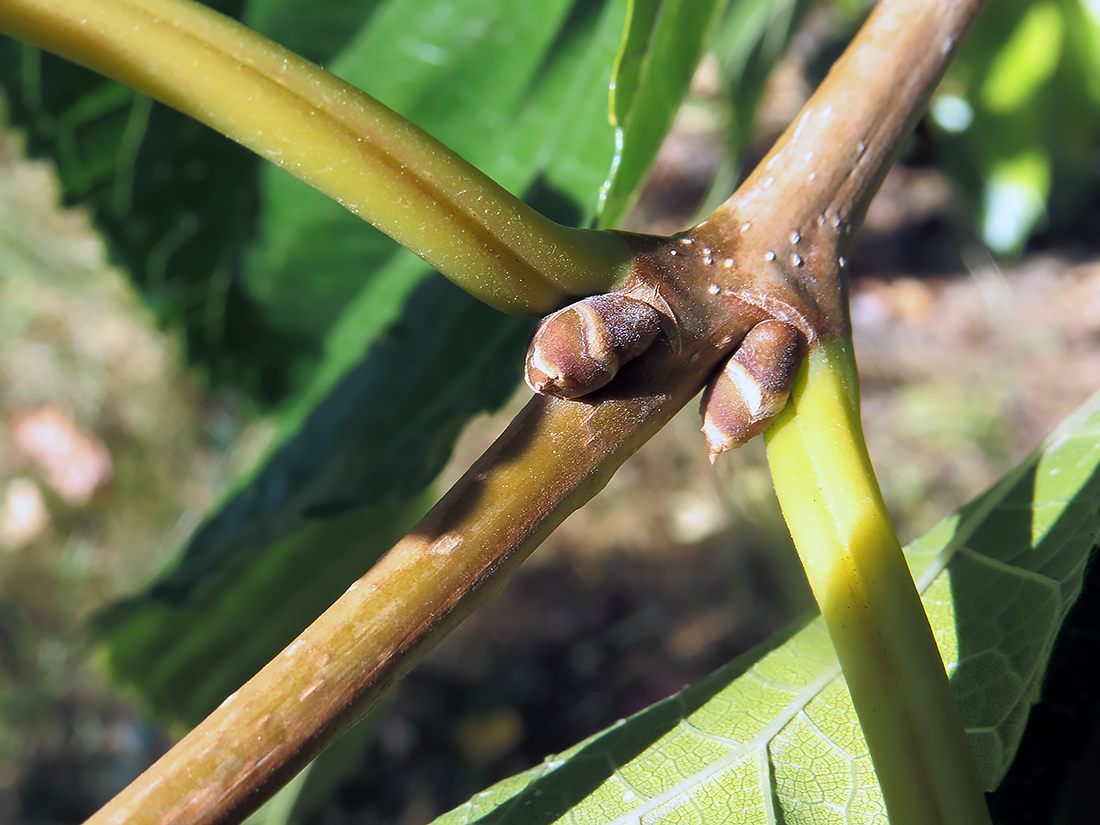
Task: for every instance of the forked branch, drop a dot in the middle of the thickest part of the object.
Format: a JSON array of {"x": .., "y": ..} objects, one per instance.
[{"x": 772, "y": 253}]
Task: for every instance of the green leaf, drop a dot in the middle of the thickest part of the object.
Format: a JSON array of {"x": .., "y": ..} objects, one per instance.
[
  {"x": 460, "y": 71},
  {"x": 1018, "y": 119},
  {"x": 1083, "y": 25},
  {"x": 342, "y": 489},
  {"x": 661, "y": 47},
  {"x": 773, "y": 737},
  {"x": 1027, "y": 61},
  {"x": 176, "y": 202},
  {"x": 399, "y": 376},
  {"x": 255, "y": 266},
  {"x": 317, "y": 31},
  {"x": 749, "y": 40},
  {"x": 376, "y": 385}
]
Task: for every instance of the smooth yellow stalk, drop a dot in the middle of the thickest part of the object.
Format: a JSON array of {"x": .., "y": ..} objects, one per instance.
[
  {"x": 334, "y": 137},
  {"x": 836, "y": 515}
]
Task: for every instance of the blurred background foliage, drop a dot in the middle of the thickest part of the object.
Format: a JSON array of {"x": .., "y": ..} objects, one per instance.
[
  {"x": 1016, "y": 121},
  {"x": 331, "y": 373}
]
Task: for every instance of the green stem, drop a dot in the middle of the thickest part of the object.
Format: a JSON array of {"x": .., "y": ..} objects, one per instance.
[
  {"x": 334, "y": 137},
  {"x": 836, "y": 515}
]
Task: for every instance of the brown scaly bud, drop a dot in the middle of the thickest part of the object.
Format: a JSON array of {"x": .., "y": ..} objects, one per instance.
[
  {"x": 580, "y": 348},
  {"x": 741, "y": 401}
]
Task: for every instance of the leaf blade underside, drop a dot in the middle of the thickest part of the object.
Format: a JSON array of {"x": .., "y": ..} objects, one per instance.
[{"x": 773, "y": 737}]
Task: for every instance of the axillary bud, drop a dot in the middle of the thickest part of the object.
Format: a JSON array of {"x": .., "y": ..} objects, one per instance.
[
  {"x": 740, "y": 402},
  {"x": 580, "y": 348}
]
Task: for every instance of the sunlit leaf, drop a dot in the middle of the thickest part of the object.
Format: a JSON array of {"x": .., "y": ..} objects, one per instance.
[
  {"x": 773, "y": 737},
  {"x": 1026, "y": 61},
  {"x": 460, "y": 71}
]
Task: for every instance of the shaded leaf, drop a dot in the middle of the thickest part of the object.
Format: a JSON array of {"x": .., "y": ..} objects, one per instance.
[
  {"x": 330, "y": 500},
  {"x": 1052, "y": 769},
  {"x": 1018, "y": 118},
  {"x": 773, "y": 736},
  {"x": 399, "y": 377}
]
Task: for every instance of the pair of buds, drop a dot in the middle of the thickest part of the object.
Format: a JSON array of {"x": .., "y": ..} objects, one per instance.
[{"x": 579, "y": 349}]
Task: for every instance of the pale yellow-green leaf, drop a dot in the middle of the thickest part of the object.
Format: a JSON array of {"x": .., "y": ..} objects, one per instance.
[{"x": 772, "y": 737}]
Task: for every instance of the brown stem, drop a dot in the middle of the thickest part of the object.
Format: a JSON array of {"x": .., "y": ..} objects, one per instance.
[{"x": 782, "y": 234}]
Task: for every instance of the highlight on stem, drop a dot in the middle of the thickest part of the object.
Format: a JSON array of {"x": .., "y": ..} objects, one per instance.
[{"x": 336, "y": 138}]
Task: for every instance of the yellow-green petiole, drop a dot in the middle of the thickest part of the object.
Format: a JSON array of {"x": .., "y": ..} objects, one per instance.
[{"x": 835, "y": 512}]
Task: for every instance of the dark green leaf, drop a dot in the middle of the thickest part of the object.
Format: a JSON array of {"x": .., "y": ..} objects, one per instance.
[
  {"x": 660, "y": 50},
  {"x": 317, "y": 31},
  {"x": 398, "y": 377}
]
